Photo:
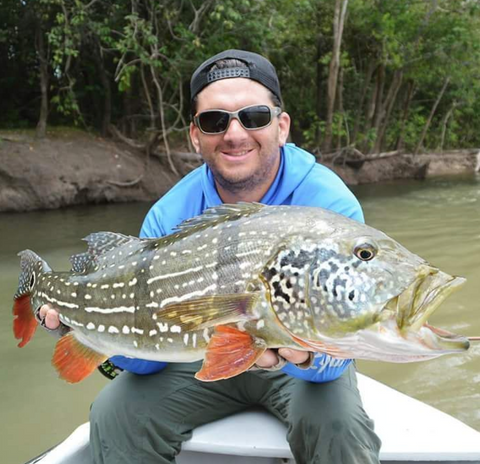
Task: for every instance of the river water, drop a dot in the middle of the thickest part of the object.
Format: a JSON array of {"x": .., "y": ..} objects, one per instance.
[{"x": 438, "y": 219}]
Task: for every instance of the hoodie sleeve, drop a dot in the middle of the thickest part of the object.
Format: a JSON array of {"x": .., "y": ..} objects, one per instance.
[{"x": 323, "y": 369}]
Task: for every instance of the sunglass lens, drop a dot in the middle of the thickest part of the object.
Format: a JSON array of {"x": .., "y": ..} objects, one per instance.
[
  {"x": 255, "y": 117},
  {"x": 213, "y": 122}
]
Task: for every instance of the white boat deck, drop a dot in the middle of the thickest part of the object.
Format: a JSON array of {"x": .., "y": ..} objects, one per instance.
[{"x": 411, "y": 432}]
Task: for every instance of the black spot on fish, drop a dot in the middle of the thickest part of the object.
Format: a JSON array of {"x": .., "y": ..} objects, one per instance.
[
  {"x": 351, "y": 295},
  {"x": 288, "y": 284},
  {"x": 339, "y": 282},
  {"x": 333, "y": 267},
  {"x": 296, "y": 260}
]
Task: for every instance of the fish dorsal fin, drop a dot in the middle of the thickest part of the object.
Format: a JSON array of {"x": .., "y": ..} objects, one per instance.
[
  {"x": 218, "y": 214},
  {"x": 99, "y": 243}
]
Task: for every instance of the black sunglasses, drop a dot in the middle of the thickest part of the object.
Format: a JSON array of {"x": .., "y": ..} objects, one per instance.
[{"x": 251, "y": 118}]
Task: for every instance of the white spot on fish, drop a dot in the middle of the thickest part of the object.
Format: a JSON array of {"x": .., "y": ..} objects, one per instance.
[
  {"x": 138, "y": 331},
  {"x": 113, "y": 330},
  {"x": 90, "y": 326},
  {"x": 152, "y": 333},
  {"x": 185, "y": 339},
  {"x": 175, "y": 329},
  {"x": 126, "y": 329},
  {"x": 135, "y": 343},
  {"x": 194, "y": 340},
  {"x": 162, "y": 327},
  {"x": 170, "y": 340},
  {"x": 152, "y": 305},
  {"x": 132, "y": 282},
  {"x": 73, "y": 294},
  {"x": 104, "y": 286},
  {"x": 88, "y": 297},
  {"x": 101, "y": 328},
  {"x": 119, "y": 309},
  {"x": 119, "y": 285},
  {"x": 206, "y": 335},
  {"x": 260, "y": 324}
]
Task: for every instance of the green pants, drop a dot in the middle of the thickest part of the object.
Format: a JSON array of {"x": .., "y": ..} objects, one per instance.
[{"x": 145, "y": 419}]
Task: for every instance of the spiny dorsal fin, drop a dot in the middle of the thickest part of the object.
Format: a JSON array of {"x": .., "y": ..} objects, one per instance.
[
  {"x": 218, "y": 214},
  {"x": 98, "y": 244}
]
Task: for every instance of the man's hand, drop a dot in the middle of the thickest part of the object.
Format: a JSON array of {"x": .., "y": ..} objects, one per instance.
[
  {"x": 50, "y": 316},
  {"x": 270, "y": 358}
]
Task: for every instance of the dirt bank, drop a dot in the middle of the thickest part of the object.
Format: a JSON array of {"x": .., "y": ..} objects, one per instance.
[{"x": 72, "y": 167}]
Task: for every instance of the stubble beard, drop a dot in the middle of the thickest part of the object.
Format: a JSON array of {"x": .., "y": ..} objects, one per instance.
[{"x": 237, "y": 184}]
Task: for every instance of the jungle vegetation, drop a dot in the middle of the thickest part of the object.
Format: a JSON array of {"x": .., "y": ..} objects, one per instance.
[{"x": 371, "y": 75}]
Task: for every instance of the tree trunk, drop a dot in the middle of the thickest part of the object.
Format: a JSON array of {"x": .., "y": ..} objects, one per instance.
[
  {"x": 341, "y": 111},
  {"x": 386, "y": 109},
  {"x": 338, "y": 24},
  {"x": 406, "y": 111},
  {"x": 374, "y": 101},
  {"x": 445, "y": 120},
  {"x": 430, "y": 116},
  {"x": 107, "y": 100},
  {"x": 319, "y": 85},
  {"x": 41, "y": 129},
  {"x": 366, "y": 84}
]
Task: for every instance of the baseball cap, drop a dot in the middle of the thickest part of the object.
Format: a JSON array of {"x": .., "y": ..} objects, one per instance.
[{"x": 258, "y": 68}]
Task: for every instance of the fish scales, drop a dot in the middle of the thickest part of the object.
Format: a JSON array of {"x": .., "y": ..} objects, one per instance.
[{"x": 254, "y": 276}]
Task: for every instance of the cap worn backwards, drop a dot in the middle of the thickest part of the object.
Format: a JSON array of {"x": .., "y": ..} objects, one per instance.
[{"x": 257, "y": 68}]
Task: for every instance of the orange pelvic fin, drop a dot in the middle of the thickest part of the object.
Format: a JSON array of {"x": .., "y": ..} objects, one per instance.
[
  {"x": 73, "y": 360},
  {"x": 24, "y": 322},
  {"x": 229, "y": 353}
]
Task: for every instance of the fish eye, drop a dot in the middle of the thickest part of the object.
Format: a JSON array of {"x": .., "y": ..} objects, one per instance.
[{"x": 365, "y": 252}]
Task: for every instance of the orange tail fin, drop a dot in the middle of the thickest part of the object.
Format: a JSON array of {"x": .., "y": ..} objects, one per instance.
[
  {"x": 73, "y": 360},
  {"x": 24, "y": 323}
]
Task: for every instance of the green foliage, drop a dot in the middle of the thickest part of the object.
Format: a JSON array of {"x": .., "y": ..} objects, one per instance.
[{"x": 131, "y": 61}]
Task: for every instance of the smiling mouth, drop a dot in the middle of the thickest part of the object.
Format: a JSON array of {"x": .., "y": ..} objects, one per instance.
[{"x": 237, "y": 154}]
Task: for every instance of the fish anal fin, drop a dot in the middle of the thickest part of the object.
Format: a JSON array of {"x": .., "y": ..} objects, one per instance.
[
  {"x": 229, "y": 353},
  {"x": 75, "y": 361},
  {"x": 24, "y": 322},
  {"x": 208, "y": 311}
]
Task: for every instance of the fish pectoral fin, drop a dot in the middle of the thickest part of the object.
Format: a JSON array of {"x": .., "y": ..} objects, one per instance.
[
  {"x": 229, "y": 353},
  {"x": 24, "y": 322},
  {"x": 75, "y": 361},
  {"x": 208, "y": 311}
]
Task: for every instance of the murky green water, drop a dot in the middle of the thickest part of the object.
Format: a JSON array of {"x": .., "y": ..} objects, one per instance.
[{"x": 440, "y": 220}]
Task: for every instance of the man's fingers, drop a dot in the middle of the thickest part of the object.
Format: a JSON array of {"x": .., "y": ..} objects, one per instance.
[
  {"x": 294, "y": 356},
  {"x": 52, "y": 320},
  {"x": 50, "y": 316},
  {"x": 268, "y": 359},
  {"x": 44, "y": 310}
]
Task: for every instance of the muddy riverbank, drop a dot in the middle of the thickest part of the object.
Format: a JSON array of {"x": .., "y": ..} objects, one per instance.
[{"x": 73, "y": 167}]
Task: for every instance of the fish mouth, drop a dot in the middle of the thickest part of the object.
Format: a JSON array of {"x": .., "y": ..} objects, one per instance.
[{"x": 412, "y": 308}]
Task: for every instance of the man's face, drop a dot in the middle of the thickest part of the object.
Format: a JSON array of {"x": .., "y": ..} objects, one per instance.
[{"x": 241, "y": 160}]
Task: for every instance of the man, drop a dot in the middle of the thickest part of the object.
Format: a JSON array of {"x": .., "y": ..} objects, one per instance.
[{"x": 241, "y": 131}]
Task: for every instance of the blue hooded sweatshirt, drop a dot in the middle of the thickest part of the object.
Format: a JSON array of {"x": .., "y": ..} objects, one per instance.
[{"x": 299, "y": 181}]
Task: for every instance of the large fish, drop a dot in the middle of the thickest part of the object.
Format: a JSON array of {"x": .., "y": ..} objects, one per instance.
[{"x": 233, "y": 282}]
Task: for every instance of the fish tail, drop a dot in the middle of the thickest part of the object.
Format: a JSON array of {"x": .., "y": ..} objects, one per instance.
[{"x": 24, "y": 322}]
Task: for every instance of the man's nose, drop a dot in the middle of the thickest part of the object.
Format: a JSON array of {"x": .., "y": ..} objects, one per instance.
[{"x": 235, "y": 131}]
